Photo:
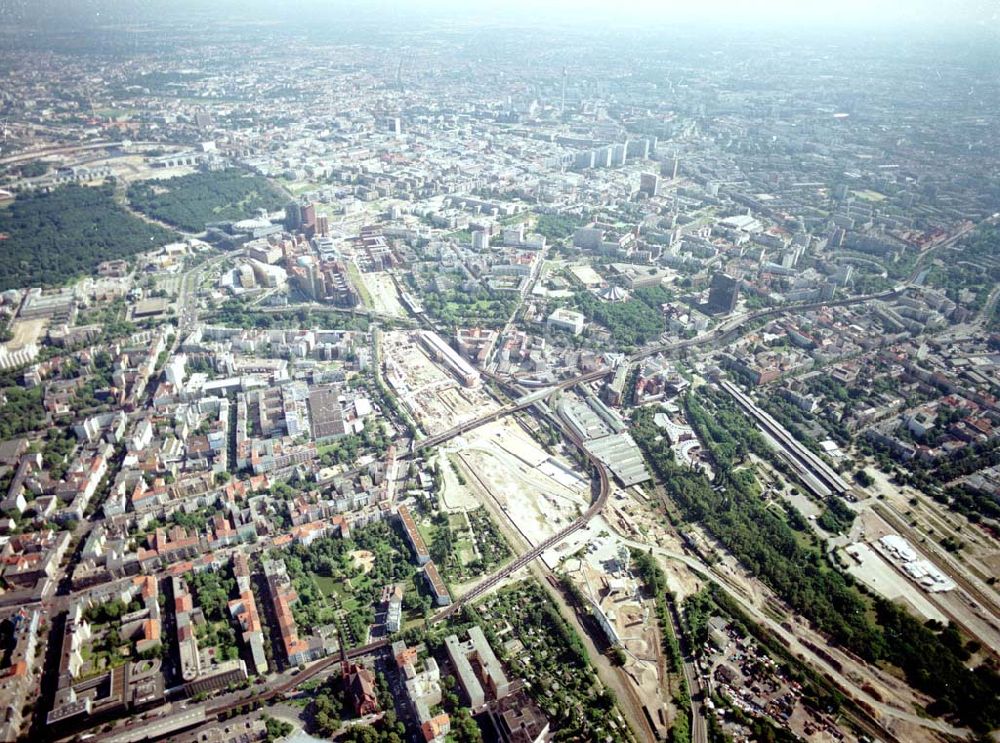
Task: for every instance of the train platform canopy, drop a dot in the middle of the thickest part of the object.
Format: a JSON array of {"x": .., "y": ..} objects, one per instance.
[{"x": 619, "y": 453}]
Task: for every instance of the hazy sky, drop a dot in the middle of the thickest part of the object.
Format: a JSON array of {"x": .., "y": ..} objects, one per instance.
[
  {"x": 777, "y": 11},
  {"x": 882, "y": 14}
]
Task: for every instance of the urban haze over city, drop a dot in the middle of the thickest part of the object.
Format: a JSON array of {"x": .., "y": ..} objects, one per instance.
[{"x": 503, "y": 371}]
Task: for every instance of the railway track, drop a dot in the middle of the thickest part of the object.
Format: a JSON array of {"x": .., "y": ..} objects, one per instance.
[
  {"x": 603, "y": 492},
  {"x": 481, "y": 588},
  {"x": 310, "y": 672}
]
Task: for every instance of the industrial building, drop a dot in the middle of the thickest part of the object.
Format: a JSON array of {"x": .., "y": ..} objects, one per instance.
[
  {"x": 440, "y": 351},
  {"x": 605, "y": 436}
]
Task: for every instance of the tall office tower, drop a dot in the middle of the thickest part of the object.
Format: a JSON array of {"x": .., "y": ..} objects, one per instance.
[
  {"x": 322, "y": 225},
  {"x": 670, "y": 167},
  {"x": 308, "y": 215},
  {"x": 562, "y": 97},
  {"x": 618, "y": 154},
  {"x": 293, "y": 215},
  {"x": 649, "y": 184},
  {"x": 843, "y": 275},
  {"x": 395, "y": 125},
  {"x": 722, "y": 294},
  {"x": 480, "y": 240},
  {"x": 637, "y": 148},
  {"x": 513, "y": 235},
  {"x": 316, "y": 283},
  {"x": 584, "y": 160}
]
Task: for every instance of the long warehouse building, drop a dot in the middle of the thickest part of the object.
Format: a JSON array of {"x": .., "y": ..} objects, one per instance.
[{"x": 441, "y": 351}]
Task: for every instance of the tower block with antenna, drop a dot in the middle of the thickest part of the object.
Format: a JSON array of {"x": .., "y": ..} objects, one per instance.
[{"x": 562, "y": 97}]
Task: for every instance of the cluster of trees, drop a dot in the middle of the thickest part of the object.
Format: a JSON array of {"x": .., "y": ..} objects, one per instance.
[
  {"x": 34, "y": 169},
  {"x": 698, "y": 608},
  {"x": 631, "y": 323},
  {"x": 933, "y": 479},
  {"x": 864, "y": 478},
  {"x": 110, "y": 611},
  {"x": 557, "y": 227},
  {"x": 481, "y": 306},
  {"x": 970, "y": 459},
  {"x": 557, "y": 671},
  {"x": 22, "y": 412},
  {"x": 654, "y": 296},
  {"x": 329, "y": 706},
  {"x": 55, "y": 236},
  {"x": 680, "y": 731},
  {"x": 276, "y": 729},
  {"x": 973, "y": 504},
  {"x": 192, "y": 201},
  {"x": 978, "y": 270},
  {"x": 392, "y": 561},
  {"x": 765, "y": 543},
  {"x": 59, "y": 446},
  {"x": 652, "y": 576},
  {"x": 324, "y": 557},
  {"x": 221, "y": 636},
  {"x": 836, "y": 517},
  {"x": 194, "y": 521},
  {"x": 213, "y": 589},
  {"x": 346, "y": 449},
  {"x": 387, "y": 730},
  {"x": 493, "y": 549},
  {"x": 331, "y": 558},
  {"x": 108, "y": 644},
  {"x": 236, "y": 315},
  {"x": 443, "y": 546},
  {"x": 463, "y": 728},
  {"x": 102, "y": 368}
]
